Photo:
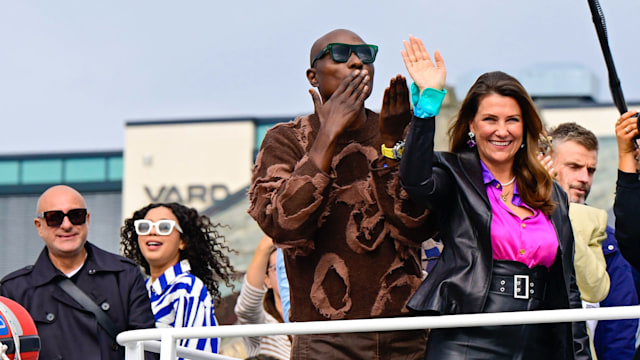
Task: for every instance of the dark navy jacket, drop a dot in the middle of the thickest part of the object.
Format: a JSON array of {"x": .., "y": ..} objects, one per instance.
[
  {"x": 66, "y": 329},
  {"x": 616, "y": 339},
  {"x": 627, "y": 211}
]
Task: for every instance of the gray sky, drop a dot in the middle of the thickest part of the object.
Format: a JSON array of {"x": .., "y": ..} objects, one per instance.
[{"x": 74, "y": 71}]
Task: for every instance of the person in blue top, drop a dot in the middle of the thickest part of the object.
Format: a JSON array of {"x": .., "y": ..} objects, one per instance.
[
  {"x": 185, "y": 257},
  {"x": 616, "y": 339},
  {"x": 283, "y": 285}
]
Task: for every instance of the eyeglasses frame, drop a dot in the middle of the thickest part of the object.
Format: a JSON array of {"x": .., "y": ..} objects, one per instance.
[{"x": 174, "y": 224}]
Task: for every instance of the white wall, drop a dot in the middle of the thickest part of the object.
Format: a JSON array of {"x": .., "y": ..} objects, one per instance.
[
  {"x": 194, "y": 163},
  {"x": 600, "y": 120}
]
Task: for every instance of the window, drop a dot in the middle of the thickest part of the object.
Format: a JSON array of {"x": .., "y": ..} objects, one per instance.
[
  {"x": 9, "y": 172},
  {"x": 85, "y": 170},
  {"x": 42, "y": 171},
  {"x": 114, "y": 170}
]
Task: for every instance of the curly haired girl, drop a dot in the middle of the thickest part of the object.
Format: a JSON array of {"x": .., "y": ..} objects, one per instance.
[{"x": 183, "y": 254}]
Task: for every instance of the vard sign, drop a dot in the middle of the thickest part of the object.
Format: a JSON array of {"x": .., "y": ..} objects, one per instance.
[{"x": 206, "y": 195}]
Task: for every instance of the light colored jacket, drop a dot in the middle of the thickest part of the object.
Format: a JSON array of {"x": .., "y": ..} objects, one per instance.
[{"x": 589, "y": 230}]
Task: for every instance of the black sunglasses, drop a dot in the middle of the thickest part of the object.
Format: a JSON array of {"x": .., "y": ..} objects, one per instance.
[
  {"x": 55, "y": 218},
  {"x": 341, "y": 53}
]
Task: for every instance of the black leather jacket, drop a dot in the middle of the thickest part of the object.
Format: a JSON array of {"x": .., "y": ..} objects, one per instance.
[
  {"x": 452, "y": 185},
  {"x": 627, "y": 211}
]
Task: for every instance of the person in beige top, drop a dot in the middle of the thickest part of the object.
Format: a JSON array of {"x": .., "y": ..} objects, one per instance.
[
  {"x": 589, "y": 229},
  {"x": 574, "y": 162}
]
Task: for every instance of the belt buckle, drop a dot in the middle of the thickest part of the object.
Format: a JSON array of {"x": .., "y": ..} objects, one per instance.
[{"x": 520, "y": 292}]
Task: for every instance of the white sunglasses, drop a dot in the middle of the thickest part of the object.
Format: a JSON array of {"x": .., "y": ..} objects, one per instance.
[{"x": 163, "y": 227}]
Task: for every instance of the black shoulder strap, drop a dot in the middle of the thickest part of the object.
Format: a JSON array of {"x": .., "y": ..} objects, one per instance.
[{"x": 83, "y": 299}]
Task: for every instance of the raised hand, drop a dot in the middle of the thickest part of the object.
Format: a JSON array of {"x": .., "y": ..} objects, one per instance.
[
  {"x": 396, "y": 112},
  {"x": 626, "y": 129},
  {"x": 343, "y": 110},
  {"x": 547, "y": 163},
  {"x": 344, "y": 106},
  {"x": 258, "y": 266},
  {"x": 424, "y": 72}
]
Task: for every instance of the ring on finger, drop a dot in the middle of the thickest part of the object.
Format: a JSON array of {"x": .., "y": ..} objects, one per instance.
[{"x": 627, "y": 130}]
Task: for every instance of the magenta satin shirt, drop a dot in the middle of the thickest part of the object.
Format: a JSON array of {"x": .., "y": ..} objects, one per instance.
[{"x": 531, "y": 241}]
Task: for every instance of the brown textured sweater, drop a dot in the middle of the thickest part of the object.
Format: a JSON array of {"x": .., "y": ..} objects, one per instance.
[{"x": 351, "y": 238}]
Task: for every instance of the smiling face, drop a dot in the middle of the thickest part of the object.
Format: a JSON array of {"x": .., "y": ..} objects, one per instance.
[
  {"x": 326, "y": 74},
  {"x": 161, "y": 251},
  {"x": 498, "y": 126},
  {"x": 67, "y": 240}
]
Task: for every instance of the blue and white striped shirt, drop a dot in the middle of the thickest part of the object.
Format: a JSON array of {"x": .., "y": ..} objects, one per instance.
[{"x": 179, "y": 299}]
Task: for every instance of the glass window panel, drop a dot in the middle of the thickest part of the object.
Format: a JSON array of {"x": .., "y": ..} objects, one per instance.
[
  {"x": 9, "y": 172},
  {"x": 115, "y": 169},
  {"x": 42, "y": 171},
  {"x": 85, "y": 170}
]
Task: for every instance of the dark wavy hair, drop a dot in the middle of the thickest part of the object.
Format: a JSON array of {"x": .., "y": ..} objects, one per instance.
[
  {"x": 534, "y": 182},
  {"x": 205, "y": 247}
]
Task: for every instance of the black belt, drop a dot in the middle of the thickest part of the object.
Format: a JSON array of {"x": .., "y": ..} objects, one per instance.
[{"x": 526, "y": 286}]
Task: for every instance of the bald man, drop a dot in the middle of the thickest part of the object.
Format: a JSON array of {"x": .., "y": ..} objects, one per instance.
[
  {"x": 325, "y": 189},
  {"x": 113, "y": 283}
]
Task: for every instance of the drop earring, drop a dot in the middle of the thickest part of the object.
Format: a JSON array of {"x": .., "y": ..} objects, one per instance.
[
  {"x": 471, "y": 142},
  {"x": 522, "y": 145}
]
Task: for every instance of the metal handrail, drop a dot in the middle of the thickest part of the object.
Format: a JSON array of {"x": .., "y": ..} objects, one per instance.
[{"x": 132, "y": 339}]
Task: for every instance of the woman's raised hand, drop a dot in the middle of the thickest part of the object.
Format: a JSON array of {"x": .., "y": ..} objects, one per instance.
[{"x": 424, "y": 72}]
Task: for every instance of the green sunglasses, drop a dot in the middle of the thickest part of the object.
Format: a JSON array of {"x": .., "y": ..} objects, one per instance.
[{"x": 341, "y": 53}]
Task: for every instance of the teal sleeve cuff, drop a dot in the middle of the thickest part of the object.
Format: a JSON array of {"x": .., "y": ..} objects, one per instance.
[{"x": 426, "y": 104}]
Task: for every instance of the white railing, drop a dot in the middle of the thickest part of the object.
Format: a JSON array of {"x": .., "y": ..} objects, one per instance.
[{"x": 137, "y": 340}]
